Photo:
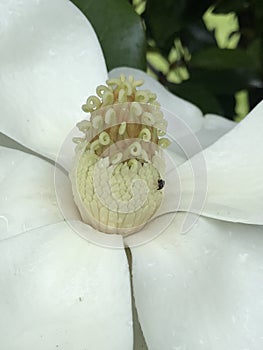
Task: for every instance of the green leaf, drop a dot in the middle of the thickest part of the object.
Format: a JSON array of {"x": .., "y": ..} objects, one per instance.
[
  {"x": 165, "y": 18},
  {"x": 226, "y": 6},
  {"x": 215, "y": 58},
  {"x": 197, "y": 94},
  {"x": 119, "y": 29},
  {"x": 225, "y": 81}
]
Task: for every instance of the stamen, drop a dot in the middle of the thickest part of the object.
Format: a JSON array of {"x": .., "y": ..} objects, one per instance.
[
  {"x": 107, "y": 98},
  {"x": 102, "y": 89},
  {"x": 135, "y": 149},
  {"x": 110, "y": 116},
  {"x": 145, "y": 155},
  {"x": 136, "y": 109},
  {"x": 104, "y": 138},
  {"x": 84, "y": 125},
  {"x": 116, "y": 158},
  {"x": 95, "y": 145},
  {"x": 113, "y": 82},
  {"x": 128, "y": 88},
  {"x": 92, "y": 103},
  {"x": 161, "y": 125},
  {"x": 122, "y": 97},
  {"x": 148, "y": 118},
  {"x": 137, "y": 83},
  {"x": 161, "y": 133},
  {"x": 122, "y": 128},
  {"x": 97, "y": 122},
  {"x": 142, "y": 96},
  {"x": 133, "y": 163},
  {"x": 164, "y": 142},
  {"x": 78, "y": 140},
  {"x": 145, "y": 134}
]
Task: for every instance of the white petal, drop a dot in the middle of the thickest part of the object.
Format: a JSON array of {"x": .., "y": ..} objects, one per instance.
[
  {"x": 201, "y": 290},
  {"x": 175, "y": 105},
  {"x": 185, "y": 143},
  {"x": 59, "y": 291},
  {"x": 214, "y": 127},
  {"x": 50, "y": 62},
  {"x": 28, "y": 198},
  {"x": 232, "y": 171}
]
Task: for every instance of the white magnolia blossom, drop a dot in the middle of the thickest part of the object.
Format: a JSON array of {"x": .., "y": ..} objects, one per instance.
[{"x": 198, "y": 290}]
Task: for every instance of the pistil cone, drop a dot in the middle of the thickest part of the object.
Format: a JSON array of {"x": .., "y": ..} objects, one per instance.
[{"x": 118, "y": 162}]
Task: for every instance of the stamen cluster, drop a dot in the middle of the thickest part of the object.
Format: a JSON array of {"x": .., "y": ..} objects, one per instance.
[{"x": 119, "y": 161}]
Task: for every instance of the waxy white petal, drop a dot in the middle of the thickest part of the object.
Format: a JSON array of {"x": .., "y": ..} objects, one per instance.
[
  {"x": 233, "y": 174},
  {"x": 203, "y": 289},
  {"x": 27, "y": 193},
  {"x": 50, "y": 62},
  {"x": 214, "y": 127},
  {"x": 59, "y": 291}
]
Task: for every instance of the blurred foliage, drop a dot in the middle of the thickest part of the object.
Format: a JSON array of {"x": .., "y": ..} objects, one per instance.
[
  {"x": 214, "y": 72},
  {"x": 209, "y": 52}
]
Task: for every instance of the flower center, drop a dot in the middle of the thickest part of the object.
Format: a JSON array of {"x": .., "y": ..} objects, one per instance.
[{"x": 117, "y": 178}]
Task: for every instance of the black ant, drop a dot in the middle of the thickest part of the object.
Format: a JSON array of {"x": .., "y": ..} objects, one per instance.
[{"x": 161, "y": 184}]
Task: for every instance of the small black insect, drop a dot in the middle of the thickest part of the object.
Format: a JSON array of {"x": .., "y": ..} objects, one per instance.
[{"x": 161, "y": 184}]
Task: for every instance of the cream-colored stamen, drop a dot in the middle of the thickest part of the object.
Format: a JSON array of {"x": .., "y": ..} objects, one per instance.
[
  {"x": 104, "y": 138},
  {"x": 136, "y": 149},
  {"x": 145, "y": 134},
  {"x": 122, "y": 128}
]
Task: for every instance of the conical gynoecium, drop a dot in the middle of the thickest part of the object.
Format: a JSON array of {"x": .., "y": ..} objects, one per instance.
[{"x": 117, "y": 178}]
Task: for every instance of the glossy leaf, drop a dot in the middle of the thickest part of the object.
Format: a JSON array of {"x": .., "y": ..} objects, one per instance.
[
  {"x": 119, "y": 29},
  {"x": 215, "y": 58},
  {"x": 167, "y": 17},
  {"x": 161, "y": 26},
  {"x": 197, "y": 94},
  {"x": 225, "y": 81}
]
